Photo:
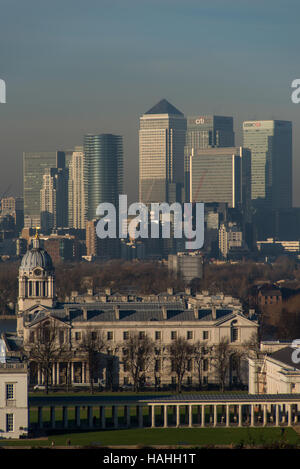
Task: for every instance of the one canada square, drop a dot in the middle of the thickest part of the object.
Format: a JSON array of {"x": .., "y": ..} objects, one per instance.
[{"x": 161, "y": 154}]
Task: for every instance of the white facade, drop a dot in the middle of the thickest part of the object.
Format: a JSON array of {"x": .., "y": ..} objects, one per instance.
[{"x": 13, "y": 400}]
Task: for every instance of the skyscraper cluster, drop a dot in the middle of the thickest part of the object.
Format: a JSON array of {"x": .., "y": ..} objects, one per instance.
[{"x": 181, "y": 159}]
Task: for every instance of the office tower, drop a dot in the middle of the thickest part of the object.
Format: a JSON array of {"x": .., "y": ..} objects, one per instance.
[
  {"x": 231, "y": 240},
  {"x": 270, "y": 143},
  {"x": 14, "y": 206},
  {"x": 161, "y": 154},
  {"x": 54, "y": 202},
  {"x": 76, "y": 196},
  {"x": 221, "y": 175},
  {"x": 205, "y": 132},
  {"x": 34, "y": 165},
  {"x": 103, "y": 172}
]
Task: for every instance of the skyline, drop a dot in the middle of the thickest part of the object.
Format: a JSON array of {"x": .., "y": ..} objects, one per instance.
[{"x": 73, "y": 69}]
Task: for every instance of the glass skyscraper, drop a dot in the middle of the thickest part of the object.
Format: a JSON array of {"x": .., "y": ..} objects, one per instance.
[
  {"x": 34, "y": 166},
  {"x": 161, "y": 154},
  {"x": 270, "y": 143},
  {"x": 103, "y": 171},
  {"x": 221, "y": 175},
  {"x": 205, "y": 132}
]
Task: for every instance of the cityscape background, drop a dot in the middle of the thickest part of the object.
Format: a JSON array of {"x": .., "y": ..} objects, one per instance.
[{"x": 72, "y": 69}]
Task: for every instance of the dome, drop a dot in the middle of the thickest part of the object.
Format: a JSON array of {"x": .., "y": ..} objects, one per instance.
[{"x": 36, "y": 257}]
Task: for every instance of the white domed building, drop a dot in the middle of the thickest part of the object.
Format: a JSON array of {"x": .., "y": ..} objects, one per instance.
[{"x": 36, "y": 281}]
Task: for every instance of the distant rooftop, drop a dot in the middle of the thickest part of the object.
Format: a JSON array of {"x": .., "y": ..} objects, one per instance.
[{"x": 164, "y": 107}]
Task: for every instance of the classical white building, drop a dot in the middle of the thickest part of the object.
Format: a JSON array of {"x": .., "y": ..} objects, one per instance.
[
  {"x": 275, "y": 373},
  {"x": 13, "y": 400},
  {"x": 202, "y": 318}
]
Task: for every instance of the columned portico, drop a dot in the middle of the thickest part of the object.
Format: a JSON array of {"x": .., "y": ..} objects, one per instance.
[{"x": 239, "y": 411}]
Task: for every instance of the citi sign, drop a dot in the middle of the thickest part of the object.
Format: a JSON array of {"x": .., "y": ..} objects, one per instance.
[{"x": 2, "y": 92}]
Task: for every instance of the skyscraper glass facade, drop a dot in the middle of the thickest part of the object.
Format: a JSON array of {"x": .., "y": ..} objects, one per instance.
[
  {"x": 205, "y": 132},
  {"x": 270, "y": 143},
  {"x": 34, "y": 166},
  {"x": 103, "y": 172},
  {"x": 161, "y": 154}
]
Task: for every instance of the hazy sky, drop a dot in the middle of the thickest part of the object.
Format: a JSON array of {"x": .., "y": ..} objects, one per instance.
[{"x": 74, "y": 66}]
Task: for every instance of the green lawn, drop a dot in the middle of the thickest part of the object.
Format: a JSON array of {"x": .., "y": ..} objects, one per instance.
[{"x": 170, "y": 436}]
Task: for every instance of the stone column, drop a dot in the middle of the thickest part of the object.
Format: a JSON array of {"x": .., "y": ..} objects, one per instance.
[
  {"x": 165, "y": 416},
  {"x": 240, "y": 415},
  {"x": 289, "y": 415},
  {"x": 90, "y": 416},
  {"x": 65, "y": 417},
  {"x": 215, "y": 415},
  {"x": 102, "y": 417},
  {"x": 52, "y": 416},
  {"x": 152, "y": 416},
  {"x": 203, "y": 416},
  {"x": 72, "y": 373},
  {"x": 252, "y": 416},
  {"x": 77, "y": 416},
  {"x": 276, "y": 415},
  {"x": 265, "y": 416},
  {"x": 57, "y": 373},
  {"x": 53, "y": 373},
  {"x": 190, "y": 415},
  {"x": 177, "y": 416},
  {"x": 227, "y": 416},
  {"x": 83, "y": 372},
  {"x": 40, "y": 417}
]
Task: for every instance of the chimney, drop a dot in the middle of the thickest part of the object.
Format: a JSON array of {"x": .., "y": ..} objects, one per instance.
[
  {"x": 108, "y": 291},
  {"x": 164, "y": 312},
  {"x": 196, "y": 313},
  {"x": 188, "y": 291},
  {"x": 170, "y": 291},
  {"x": 117, "y": 312},
  {"x": 90, "y": 291},
  {"x": 84, "y": 310},
  {"x": 214, "y": 312}
]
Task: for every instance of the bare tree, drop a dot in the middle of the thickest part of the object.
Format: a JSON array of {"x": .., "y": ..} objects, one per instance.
[
  {"x": 93, "y": 343},
  {"x": 138, "y": 356},
  {"x": 221, "y": 360},
  {"x": 180, "y": 352},
  {"x": 201, "y": 353},
  {"x": 45, "y": 349},
  {"x": 252, "y": 346}
]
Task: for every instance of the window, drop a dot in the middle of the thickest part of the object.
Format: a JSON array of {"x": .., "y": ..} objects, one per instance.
[
  {"x": 157, "y": 365},
  {"x": 125, "y": 367},
  {"x": 10, "y": 391},
  {"x": 205, "y": 364},
  {"x": 189, "y": 365},
  {"x": 61, "y": 337},
  {"x": 141, "y": 335},
  {"x": 109, "y": 335},
  {"x": 173, "y": 335},
  {"x": 126, "y": 380},
  {"x": 189, "y": 335},
  {"x": 31, "y": 337},
  {"x": 205, "y": 335},
  {"x": 157, "y": 351},
  {"x": 157, "y": 335},
  {"x": 174, "y": 380},
  {"x": 125, "y": 335},
  {"x": 234, "y": 334},
  {"x": 189, "y": 380},
  {"x": 77, "y": 335},
  {"x": 9, "y": 422}
]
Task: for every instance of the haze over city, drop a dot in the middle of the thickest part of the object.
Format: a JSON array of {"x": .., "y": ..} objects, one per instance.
[{"x": 72, "y": 68}]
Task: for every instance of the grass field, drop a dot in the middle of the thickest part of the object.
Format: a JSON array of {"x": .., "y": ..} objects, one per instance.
[{"x": 170, "y": 436}]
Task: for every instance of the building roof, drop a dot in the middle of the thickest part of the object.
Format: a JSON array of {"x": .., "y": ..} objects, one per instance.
[
  {"x": 284, "y": 356},
  {"x": 164, "y": 107},
  {"x": 36, "y": 257}
]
